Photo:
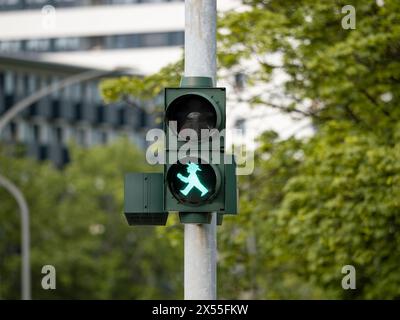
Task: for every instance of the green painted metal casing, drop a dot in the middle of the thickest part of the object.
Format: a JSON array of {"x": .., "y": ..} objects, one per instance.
[
  {"x": 199, "y": 218},
  {"x": 144, "y": 199},
  {"x": 225, "y": 200},
  {"x": 195, "y": 217},
  {"x": 197, "y": 82},
  {"x": 231, "y": 190},
  {"x": 147, "y": 198}
]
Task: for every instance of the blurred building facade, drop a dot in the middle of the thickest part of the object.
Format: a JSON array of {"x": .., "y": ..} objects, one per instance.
[
  {"x": 42, "y": 42},
  {"x": 75, "y": 113},
  {"x": 143, "y": 35}
]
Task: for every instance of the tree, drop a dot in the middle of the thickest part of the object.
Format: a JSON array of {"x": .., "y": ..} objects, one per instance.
[
  {"x": 316, "y": 204},
  {"x": 337, "y": 205},
  {"x": 77, "y": 226}
]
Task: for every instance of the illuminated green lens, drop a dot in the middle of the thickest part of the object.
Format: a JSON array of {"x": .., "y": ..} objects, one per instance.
[
  {"x": 192, "y": 180},
  {"x": 192, "y": 183}
]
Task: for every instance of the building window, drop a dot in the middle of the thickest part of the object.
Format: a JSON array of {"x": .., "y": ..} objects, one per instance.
[
  {"x": 78, "y": 111},
  {"x": 25, "y": 133},
  {"x": 8, "y": 2},
  {"x": 35, "y": 2},
  {"x": 45, "y": 133},
  {"x": 96, "y": 43},
  {"x": 55, "y": 93},
  {"x": 32, "y": 84},
  {"x": 103, "y": 137},
  {"x": 95, "y": 92},
  {"x": 82, "y": 137},
  {"x": 136, "y": 40},
  {"x": 66, "y": 44},
  {"x": 66, "y": 93},
  {"x": 100, "y": 114},
  {"x": 97, "y": 136},
  {"x": 36, "y": 133},
  {"x": 43, "y": 82},
  {"x": 58, "y": 135},
  {"x": 154, "y": 40},
  {"x": 9, "y": 82},
  {"x": 10, "y": 46},
  {"x": 121, "y": 116},
  {"x": 37, "y": 45},
  {"x": 13, "y": 131},
  {"x": 176, "y": 38},
  {"x": 122, "y": 41},
  {"x": 124, "y": 1},
  {"x": 86, "y": 93},
  {"x": 142, "y": 118},
  {"x": 76, "y": 92},
  {"x": 153, "y": 1},
  {"x": 21, "y": 84}
]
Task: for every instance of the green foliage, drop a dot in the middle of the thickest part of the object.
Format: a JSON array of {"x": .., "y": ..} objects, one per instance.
[
  {"x": 330, "y": 200},
  {"x": 342, "y": 72},
  {"x": 342, "y": 208},
  {"x": 314, "y": 205},
  {"x": 253, "y": 261},
  {"x": 77, "y": 225},
  {"x": 144, "y": 88},
  {"x": 310, "y": 207}
]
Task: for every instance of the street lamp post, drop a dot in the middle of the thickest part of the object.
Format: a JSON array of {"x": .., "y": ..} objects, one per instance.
[
  {"x": 4, "y": 120},
  {"x": 25, "y": 236}
]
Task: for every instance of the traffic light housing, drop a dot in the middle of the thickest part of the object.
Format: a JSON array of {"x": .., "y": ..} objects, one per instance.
[
  {"x": 198, "y": 178},
  {"x": 198, "y": 181},
  {"x": 143, "y": 199}
]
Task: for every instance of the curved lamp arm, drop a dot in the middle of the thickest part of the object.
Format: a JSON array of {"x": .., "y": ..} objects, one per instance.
[{"x": 24, "y": 103}]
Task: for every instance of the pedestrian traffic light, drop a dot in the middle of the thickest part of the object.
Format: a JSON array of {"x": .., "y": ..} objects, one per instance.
[
  {"x": 195, "y": 174},
  {"x": 199, "y": 178}
]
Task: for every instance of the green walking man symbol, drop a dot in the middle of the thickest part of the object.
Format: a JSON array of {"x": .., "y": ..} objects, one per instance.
[{"x": 192, "y": 180}]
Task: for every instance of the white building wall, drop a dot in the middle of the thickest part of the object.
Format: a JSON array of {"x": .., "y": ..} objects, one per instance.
[{"x": 92, "y": 21}]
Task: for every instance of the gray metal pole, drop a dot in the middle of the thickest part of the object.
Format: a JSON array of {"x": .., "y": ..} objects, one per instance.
[
  {"x": 200, "y": 273},
  {"x": 25, "y": 237}
]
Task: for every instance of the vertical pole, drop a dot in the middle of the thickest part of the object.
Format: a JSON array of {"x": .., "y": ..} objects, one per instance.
[
  {"x": 200, "y": 239},
  {"x": 25, "y": 237}
]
